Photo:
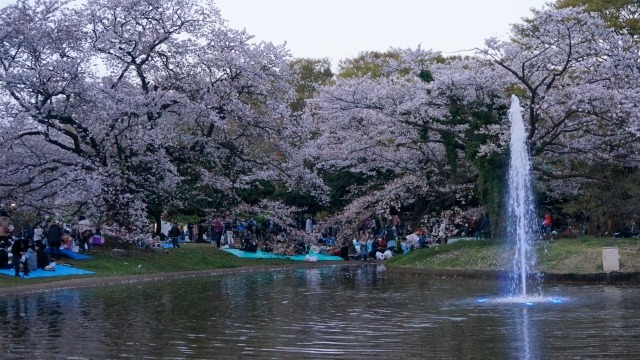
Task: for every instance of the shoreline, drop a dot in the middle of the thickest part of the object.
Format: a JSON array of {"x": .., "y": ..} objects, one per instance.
[
  {"x": 87, "y": 282},
  {"x": 612, "y": 279}
]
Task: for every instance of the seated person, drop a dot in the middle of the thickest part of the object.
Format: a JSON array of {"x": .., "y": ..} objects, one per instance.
[
  {"x": 344, "y": 251},
  {"x": 324, "y": 250},
  {"x": 405, "y": 249},
  {"x": 411, "y": 241},
  {"x": 383, "y": 243},
  {"x": 31, "y": 260},
  {"x": 266, "y": 246},
  {"x": 67, "y": 242},
  {"x": 391, "y": 244},
  {"x": 301, "y": 248},
  {"x": 4, "y": 256},
  {"x": 249, "y": 245},
  {"x": 352, "y": 253},
  {"x": 375, "y": 246},
  {"x": 369, "y": 244},
  {"x": 42, "y": 259}
]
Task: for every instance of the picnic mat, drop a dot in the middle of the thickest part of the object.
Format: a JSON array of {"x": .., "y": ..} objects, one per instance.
[
  {"x": 265, "y": 255},
  {"x": 61, "y": 270},
  {"x": 70, "y": 254}
]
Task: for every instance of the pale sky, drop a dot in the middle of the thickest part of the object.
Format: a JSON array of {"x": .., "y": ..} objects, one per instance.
[{"x": 340, "y": 29}]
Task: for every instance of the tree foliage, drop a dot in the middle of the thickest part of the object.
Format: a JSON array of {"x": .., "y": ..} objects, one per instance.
[
  {"x": 133, "y": 104},
  {"x": 621, "y": 15}
]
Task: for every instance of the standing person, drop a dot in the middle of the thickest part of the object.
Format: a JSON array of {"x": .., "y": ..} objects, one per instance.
[
  {"x": 309, "y": 225},
  {"x": 85, "y": 231},
  {"x": 174, "y": 234},
  {"x": 19, "y": 252},
  {"x": 477, "y": 226},
  {"x": 196, "y": 232},
  {"x": 37, "y": 233},
  {"x": 548, "y": 223},
  {"x": 486, "y": 226},
  {"x": 229, "y": 232},
  {"x": 190, "y": 231},
  {"x": 54, "y": 236},
  {"x": 218, "y": 229}
]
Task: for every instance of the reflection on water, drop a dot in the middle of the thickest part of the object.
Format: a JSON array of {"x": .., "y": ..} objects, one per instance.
[{"x": 337, "y": 313}]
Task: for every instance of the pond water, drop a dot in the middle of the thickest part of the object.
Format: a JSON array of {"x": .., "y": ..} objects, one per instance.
[{"x": 331, "y": 312}]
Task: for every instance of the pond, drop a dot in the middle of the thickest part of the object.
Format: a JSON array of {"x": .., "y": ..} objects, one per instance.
[{"x": 329, "y": 312}]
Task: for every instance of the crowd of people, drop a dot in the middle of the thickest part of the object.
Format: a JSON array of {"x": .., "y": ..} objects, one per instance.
[
  {"x": 41, "y": 247},
  {"x": 375, "y": 238}
]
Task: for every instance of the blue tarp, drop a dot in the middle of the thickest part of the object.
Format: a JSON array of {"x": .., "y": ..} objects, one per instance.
[
  {"x": 61, "y": 270},
  {"x": 70, "y": 254},
  {"x": 265, "y": 255}
]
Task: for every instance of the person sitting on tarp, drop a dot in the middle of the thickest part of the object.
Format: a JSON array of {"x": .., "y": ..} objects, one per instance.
[
  {"x": 67, "y": 242},
  {"x": 266, "y": 245},
  {"x": 352, "y": 252},
  {"x": 4, "y": 256},
  {"x": 42, "y": 259},
  {"x": 249, "y": 244},
  {"x": 391, "y": 244},
  {"x": 31, "y": 259},
  {"x": 344, "y": 250},
  {"x": 301, "y": 248}
]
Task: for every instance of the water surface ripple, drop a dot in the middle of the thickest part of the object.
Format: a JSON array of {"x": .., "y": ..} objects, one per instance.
[{"x": 333, "y": 313}]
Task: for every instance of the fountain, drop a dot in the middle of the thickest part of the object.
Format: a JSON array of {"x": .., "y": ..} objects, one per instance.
[{"x": 521, "y": 214}]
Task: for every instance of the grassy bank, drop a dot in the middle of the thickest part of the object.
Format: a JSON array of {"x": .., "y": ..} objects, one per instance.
[
  {"x": 110, "y": 262},
  {"x": 564, "y": 256},
  {"x": 582, "y": 255}
]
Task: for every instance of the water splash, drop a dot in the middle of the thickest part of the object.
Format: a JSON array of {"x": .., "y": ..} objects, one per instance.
[{"x": 521, "y": 215}]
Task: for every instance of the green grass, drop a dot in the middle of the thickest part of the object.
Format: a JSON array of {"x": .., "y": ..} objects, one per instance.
[
  {"x": 482, "y": 254},
  {"x": 189, "y": 257},
  {"x": 580, "y": 256}
]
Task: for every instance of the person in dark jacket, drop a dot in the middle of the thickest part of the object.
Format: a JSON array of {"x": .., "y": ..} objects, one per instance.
[
  {"x": 41, "y": 256},
  {"x": 174, "y": 234},
  {"x": 54, "y": 236},
  {"x": 4, "y": 256},
  {"x": 18, "y": 250}
]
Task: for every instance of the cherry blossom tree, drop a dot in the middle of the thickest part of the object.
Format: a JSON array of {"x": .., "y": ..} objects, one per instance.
[
  {"x": 426, "y": 127},
  {"x": 127, "y": 106},
  {"x": 395, "y": 129},
  {"x": 578, "y": 81}
]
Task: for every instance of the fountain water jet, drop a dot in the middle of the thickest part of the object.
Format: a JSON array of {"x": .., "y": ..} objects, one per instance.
[{"x": 521, "y": 215}]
